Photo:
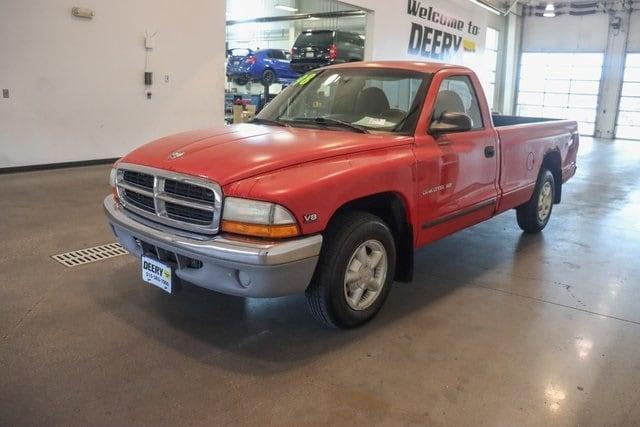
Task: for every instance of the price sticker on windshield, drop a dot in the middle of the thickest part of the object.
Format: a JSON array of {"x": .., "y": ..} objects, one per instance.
[{"x": 302, "y": 81}]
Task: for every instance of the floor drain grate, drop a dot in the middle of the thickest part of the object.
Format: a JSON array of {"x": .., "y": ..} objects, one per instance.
[{"x": 89, "y": 255}]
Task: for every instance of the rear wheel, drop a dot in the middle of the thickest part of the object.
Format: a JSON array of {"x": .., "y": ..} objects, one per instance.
[
  {"x": 534, "y": 215},
  {"x": 241, "y": 81},
  {"x": 355, "y": 271}
]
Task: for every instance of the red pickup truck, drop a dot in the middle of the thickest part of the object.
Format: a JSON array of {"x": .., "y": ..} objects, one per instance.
[{"x": 334, "y": 185}]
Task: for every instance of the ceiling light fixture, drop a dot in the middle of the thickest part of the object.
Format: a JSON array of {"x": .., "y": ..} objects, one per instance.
[
  {"x": 487, "y": 6},
  {"x": 287, "y": 8},
  {"x": 549, "y": 11}
]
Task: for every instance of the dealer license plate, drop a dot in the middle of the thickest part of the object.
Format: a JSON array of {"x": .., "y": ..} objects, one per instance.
[{"x": 157, "y": 273}]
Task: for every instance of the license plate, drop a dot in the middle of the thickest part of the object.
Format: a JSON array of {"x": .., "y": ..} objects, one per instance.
[
  {"x": 157, "y": 273},
  {"x": 310, "y": 55}
]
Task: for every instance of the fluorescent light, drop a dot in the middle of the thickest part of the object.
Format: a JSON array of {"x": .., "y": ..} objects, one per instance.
[
  {"x": 486, "y": 6},
  {"x": 287, "y": 8},
  {"x": 549, "y": 11}
]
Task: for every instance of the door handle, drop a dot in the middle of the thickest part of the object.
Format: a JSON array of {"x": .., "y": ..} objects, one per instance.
[{"x": 489, "y": 151}]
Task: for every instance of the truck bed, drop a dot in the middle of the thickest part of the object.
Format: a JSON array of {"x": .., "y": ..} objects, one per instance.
[
  {"x": 524, "y": 143},
  {"x": 502, "y": 121}
]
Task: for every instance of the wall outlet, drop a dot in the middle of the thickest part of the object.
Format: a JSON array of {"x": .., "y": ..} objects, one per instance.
[
  {"x": 166, "y": 78},
  {"x": 5, "y": 93}
]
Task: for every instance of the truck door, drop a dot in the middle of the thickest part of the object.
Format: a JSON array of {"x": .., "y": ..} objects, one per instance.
[{"x": 457, "y": 172}]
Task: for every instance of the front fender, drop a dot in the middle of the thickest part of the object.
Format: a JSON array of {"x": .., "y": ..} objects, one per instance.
[{"x": 314, "y": 191}]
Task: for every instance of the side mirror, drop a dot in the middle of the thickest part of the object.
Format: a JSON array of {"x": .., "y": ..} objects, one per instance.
[{"x": 451, "y": 123}]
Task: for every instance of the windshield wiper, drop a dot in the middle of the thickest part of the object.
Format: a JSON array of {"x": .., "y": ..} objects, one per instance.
[
  {"x": 326, "y": 121},
  {"x": 269, "y": 122}
]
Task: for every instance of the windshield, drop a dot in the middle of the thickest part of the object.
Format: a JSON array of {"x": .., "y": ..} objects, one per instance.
[{"x": 371, "y": 100}]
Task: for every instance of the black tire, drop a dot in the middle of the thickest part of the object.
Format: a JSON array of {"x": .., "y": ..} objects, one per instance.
[
  {"x": 528, "y": 215},
  {"x": 268, "y": 77},
  {"x": 326, "y": 296},
  {"x": 241, "y": 81}
]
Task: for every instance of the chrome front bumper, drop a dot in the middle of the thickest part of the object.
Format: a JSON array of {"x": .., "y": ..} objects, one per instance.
[{"x": 230, "y": 265}]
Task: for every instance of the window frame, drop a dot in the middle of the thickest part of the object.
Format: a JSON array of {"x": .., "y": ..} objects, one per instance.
[
  {"x": 473, "y": 91},
  {"x": 493, "y": 79},
  {"x": 568, "y": 71},
  {"x": 636, "y": 66}
]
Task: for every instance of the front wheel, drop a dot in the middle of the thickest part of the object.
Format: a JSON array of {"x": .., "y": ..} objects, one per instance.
[
  {"x": 355, "y": 271},
  {"x": 534, "y": 215},
  {"x": 268, "y": 77}
]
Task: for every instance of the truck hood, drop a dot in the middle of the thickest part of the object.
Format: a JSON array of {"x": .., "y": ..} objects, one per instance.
[{"x": 231, "y": 153}]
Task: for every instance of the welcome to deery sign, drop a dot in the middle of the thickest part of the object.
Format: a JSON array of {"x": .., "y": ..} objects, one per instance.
[{"x": 440, "y": 35}]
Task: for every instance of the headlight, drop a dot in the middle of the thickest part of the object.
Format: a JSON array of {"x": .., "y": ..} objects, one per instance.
[
  {"x": 112, "y": 182},
  {"x": 260, "y": 219},
  {"x": 112, "y": 177}
]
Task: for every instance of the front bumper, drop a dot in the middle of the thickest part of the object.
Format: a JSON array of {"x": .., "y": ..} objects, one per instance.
[{"x": 226, "y": 264}]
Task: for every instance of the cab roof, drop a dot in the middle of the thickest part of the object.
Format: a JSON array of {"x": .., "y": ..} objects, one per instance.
[{"x": 420, "y": 66}]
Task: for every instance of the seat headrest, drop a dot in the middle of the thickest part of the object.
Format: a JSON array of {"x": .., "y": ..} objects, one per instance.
[
  {"x": 448, "y": 101},
  {"x": 372, "y": 101}
]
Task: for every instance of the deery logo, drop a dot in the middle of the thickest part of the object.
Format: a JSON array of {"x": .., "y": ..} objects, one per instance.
[{"x": 176, "y": 155}]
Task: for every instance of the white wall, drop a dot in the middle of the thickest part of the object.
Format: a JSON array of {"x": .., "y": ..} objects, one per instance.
[
  {"x": 566, "y": 33},
  {"x": 391, "y": 23},
  {"x": 76, "y": 86},
  {"x": 388, "y": 32}
]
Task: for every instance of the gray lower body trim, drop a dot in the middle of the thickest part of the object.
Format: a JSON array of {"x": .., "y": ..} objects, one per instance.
[{"x": 241, "y": 267}]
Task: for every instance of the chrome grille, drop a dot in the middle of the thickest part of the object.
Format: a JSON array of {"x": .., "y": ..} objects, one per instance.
[
  {"x": 188, "y": 190},
  {"x": 137, "y": 178},
  {"x": 180, "y": 201}
]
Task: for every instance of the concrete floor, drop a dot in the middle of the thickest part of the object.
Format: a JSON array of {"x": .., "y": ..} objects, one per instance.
[{"x": 498, "y": 328}]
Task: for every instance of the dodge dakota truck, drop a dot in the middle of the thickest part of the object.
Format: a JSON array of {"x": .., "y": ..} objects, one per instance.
[{"x": 333, "y": 186}]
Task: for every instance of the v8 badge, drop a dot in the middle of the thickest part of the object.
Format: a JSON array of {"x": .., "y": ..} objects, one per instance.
[{"x": 310, "y": 218}]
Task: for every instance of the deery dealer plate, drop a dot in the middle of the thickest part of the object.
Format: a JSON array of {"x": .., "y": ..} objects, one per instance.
[{"x": 156, "y": 273}]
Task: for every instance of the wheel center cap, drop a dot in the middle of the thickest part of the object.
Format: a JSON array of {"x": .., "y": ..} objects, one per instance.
[{"x": 366, "y": 274}]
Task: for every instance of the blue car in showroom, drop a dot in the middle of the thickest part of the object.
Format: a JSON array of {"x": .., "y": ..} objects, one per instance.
[{"x": 266, "y": 66}]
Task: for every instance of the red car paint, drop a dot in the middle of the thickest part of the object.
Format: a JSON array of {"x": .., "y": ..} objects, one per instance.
[{"x": 446, "y": 183}]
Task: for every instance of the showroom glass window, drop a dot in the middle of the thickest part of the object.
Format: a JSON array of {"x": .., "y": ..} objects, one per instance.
[
  {"x": 375, "y": 99},
  {"x": 628, "y": 124},
  {"x": 491, "y": 64},
  {"x": 561, "y": 86}
]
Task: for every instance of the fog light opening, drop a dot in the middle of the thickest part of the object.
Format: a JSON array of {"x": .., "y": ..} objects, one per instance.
[{"x": 244, "y": 279}]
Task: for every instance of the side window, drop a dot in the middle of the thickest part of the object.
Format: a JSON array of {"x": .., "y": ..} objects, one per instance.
[
  {"x": 277, "y": 54},
  {"x": 456, "y": 95}
]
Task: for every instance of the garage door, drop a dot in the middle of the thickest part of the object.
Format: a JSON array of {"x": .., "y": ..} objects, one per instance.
[
  {"x": 561, "y": 86},
  {"x": 628, "y": 125}
]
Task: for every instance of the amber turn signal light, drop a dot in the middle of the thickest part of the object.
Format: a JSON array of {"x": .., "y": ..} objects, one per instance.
[{"x": 259, "y": 230}]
